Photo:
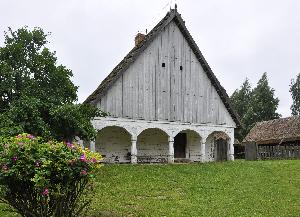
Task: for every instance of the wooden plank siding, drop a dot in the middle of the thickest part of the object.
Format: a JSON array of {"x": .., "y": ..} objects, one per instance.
[
  {"x": 288, "y": 150},
  {"x": 148, "y": 91},
  {"x": 275, "y": 151}
]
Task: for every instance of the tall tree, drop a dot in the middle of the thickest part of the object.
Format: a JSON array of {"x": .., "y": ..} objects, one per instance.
[
  {"x": 240, "y": 101},
  {"x": 241, "y": 97},
  {"x": 254, "y": 105},
  {"x": 295, "y": 91},
  {"x": 263, "y": 101},
  {"x": 36, "y": 93}
]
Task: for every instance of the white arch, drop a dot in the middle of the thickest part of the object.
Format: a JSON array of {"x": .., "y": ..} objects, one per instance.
[
  {"x": 219, "y": 131},
  {"x": 114, "y": 143},
  {"x": 152, "y": 145},
  {"x": 141, "y": 130},
  {"x": 210, "y": 145},
  {"x": 187, "y": 129},
  {"x": 127, "y": 129}
]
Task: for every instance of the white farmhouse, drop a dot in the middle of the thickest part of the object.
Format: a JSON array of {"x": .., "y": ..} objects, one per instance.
[{"x": 164, "y": 103}]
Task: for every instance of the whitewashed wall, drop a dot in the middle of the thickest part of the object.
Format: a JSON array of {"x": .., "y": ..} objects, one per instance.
[
  {"x": 193, "y": 150},
  {"x": 148, "y": 91},
  {"x": 210, "y": 151},
  {"x": 152, "y": 146},
  {"x": 114, "y": 144},
  {"x": 115, "y": 135}
]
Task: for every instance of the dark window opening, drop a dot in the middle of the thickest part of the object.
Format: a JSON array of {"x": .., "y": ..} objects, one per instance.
[
  {"x": 163, "y": 64},
  {"x": 181, "y": 68},
  {"x": 180, "y": 142}
]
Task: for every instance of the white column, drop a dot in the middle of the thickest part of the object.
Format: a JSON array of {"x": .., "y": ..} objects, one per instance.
[
  {"x": 133, "y": 150},
  {"x": 171, "y": 150},
  {"x": 202, "y": 151},
  {"x": 92, "y": 145},
  {"x": 230, "y": 149}
]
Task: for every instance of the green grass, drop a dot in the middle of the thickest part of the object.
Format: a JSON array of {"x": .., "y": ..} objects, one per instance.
[{"x": 240, "y": 188}]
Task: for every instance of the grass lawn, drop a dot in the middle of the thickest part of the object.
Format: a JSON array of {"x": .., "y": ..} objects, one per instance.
[{"x": 240, "y": 188}]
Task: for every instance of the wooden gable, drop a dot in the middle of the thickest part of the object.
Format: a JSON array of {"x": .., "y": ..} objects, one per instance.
[{"x": 165, "y": 81}]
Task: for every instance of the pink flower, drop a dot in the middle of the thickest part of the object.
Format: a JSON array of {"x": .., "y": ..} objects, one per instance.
[
  {"x": 70, "y": 145},
  {"x": 45, "y": 192},
  {"x": 83, "y": 172},
  {"x": 37, "y": 163},
  {"x": 83, "y": 158},
  {"x": 94, "y": 160},
  {"x": 5, "y": 168},
  {"x": 30, "y": 136},
  {"x": 14, "y": 159},
  {"x": 19, "y": 136}
]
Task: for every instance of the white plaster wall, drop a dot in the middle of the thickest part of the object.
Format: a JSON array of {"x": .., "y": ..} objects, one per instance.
[
  {"x": 114, "y": 144},
  {"x": 152, "y": 146},
  {"x": 210, "y": 149},
  {"x": 117, "y": 143},
  {"x": 193, "y": 150}
]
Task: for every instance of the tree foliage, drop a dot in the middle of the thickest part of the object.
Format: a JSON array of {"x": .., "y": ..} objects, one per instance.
[
  {"x": 263, "y": 101},
  {"x": 241, "y": 97},
  {"x": 295, "y": 92},
  {"x": 36, "y": 93},
  {"x": 240, "y": 101},
  {"x": 254, "y": 105}
]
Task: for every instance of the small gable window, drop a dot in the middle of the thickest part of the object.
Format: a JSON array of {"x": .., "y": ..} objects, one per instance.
[{"x": 163, "y": 65}]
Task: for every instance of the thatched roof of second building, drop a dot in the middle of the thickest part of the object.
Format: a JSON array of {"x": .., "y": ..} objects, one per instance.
[{"x": 275, "y": 131}]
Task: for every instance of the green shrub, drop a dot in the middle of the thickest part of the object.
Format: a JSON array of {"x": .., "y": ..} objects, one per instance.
[{"x": 46, "y": 178}]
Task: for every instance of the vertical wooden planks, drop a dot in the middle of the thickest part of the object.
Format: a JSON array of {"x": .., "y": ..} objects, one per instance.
[
  {"x": 141, "y": 93},
  {"x": 188, "y": 87},
  {"x": 159, "y": 77},
  {"x": 194, "y": 89},
  {"x": 135, "y": 89},
  {"x": 153, "y": 79},
  {"x": 170, "y": 66},
  {"x": 182, "y": 77},
  {"x": 146, "y": 90},
  {"x": 166, "y": 74},
  {"x": 146, "y": 86},
  {"x": 185, "y": 78},
  {"x": 177, "y": 73},
  {"x": 118, "y": 104}
]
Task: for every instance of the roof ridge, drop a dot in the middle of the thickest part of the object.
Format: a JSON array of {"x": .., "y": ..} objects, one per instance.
[{"x": 280, "y": 119}]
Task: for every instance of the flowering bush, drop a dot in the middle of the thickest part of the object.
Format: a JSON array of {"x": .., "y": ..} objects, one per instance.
[{"x": 46, "y": 178}]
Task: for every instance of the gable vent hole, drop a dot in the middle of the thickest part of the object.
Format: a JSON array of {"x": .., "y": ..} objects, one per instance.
[
  {"x": 180, "y": 68},
  {"x": 163, "y": 65}
]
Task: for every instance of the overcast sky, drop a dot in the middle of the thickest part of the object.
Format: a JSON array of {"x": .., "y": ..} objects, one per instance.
[{"x": 239, "y": 39}]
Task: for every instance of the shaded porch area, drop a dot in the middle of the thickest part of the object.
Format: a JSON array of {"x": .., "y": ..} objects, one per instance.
[{"x": 144, "y": 142}]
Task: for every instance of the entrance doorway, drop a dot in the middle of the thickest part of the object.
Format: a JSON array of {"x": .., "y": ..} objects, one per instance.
[
  {"x": 221, "y": 146},
  {"x": 180, "y": 145}
]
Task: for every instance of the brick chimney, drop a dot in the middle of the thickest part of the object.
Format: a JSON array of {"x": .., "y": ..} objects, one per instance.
[{"x": 139, "y": 38}]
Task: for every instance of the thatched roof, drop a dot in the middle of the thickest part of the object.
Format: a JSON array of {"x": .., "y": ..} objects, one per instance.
[
  {"x": 275, "y": 131},
  {"x": 172, "y": 15}
]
